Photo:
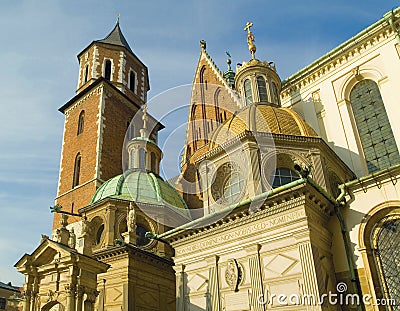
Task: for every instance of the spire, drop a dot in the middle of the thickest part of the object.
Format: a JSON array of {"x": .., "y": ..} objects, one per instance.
[
  {"x": 250, "y": 39},
  {"x": 116, "y": 37}
]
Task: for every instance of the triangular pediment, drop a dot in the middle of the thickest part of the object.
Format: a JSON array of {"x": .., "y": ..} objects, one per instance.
[{"x": 46, "y": 253}]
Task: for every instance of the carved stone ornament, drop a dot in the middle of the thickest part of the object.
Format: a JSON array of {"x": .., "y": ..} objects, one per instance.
[{"x": 234, "y": 274}]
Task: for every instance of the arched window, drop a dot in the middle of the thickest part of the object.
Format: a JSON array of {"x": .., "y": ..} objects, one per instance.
[
  {"x": 262, "y": 89},
  {"x": 130, "y": 130},
  {"x": 86, "y": 73},
  {"x": 387, "y": 251},
  {"x": 275, "y": 94},
  {"x": 99, "y": 234},
  {"x": 247, "y": 92},
  {"x": 216, "y": 105},
  {"x": 142, "y": 158},
  {"x": 81, "y": 122},
  {"x": 107, "y": 69},
  {"x": 283, "y": 176},
  {"x": 153, "y": 162},
  {"x": 377, "y": 140},
  {"x": 77, "y": 170},
  {"x": 132, "y": 81}
]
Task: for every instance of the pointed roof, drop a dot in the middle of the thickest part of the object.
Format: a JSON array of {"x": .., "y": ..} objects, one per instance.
[{"x": 116, "y": 37}]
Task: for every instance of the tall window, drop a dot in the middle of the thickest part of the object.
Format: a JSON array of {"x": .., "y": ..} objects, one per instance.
[
  {"x": 153, "y": 162},
  {"x": 132, "y": 80},
  {"x": 142, "y": 159},
  {"x": 247, "y": 92},
  {"x": 262, "y": 89},
  {"x": 283, "y": 176},
  {"x": 130, "y": 130},
  {"x": 107, "y": 69},
  {"x": 77, "y": 170},
  {"x": 86, "y": 73},
  {"x": 377, "y": 140},
  {"x": 81, "y": 122},
  {"x": 388, "y": 257},
  {"x": 275, "y": 93},
  {"x": 3, "y": 303}
]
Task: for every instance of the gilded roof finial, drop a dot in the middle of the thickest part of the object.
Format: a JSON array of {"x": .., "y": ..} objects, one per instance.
[
  {"x": 118, "y": 16},
  {"x": 250, "y": 39}
]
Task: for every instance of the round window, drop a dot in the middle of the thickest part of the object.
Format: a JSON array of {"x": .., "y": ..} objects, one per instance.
[
  {"x": 141, "y": 235},
  {"x": 233, "y": 187}
]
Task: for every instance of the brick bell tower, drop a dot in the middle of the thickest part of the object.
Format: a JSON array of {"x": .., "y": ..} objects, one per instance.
[{"x": 112, "y": 86}]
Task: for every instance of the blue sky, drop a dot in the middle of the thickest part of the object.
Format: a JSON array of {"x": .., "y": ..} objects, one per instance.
[{"x": 39, "y": 43}]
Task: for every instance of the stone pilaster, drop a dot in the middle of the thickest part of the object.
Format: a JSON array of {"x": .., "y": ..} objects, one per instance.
[
  {"x": 213, "y": 283},
  {"x": 180, "y": 287},
  {"x": 110, "y": 222},
  {"x": 309, "y": 273},
  {"x": 256, "y": 278}
]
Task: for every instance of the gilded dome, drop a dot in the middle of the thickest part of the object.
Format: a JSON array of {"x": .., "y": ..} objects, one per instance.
[
  {"x": 140, "y": 187},
  {"x": 263, "y": 118}
]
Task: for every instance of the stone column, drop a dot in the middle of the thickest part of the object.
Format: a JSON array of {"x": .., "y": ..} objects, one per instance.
[
  {"x": 27, "y": 300},
  {"x": 213, "y": 283},
  {"x": 79, "y": 297},
  {"x": 180, "y": 287},
  {"x": 34, "y": 293},
  {"x": 256, "y": 278},
  {"x": 70, "y": 294},
  {"x": 91, "y": 295}
]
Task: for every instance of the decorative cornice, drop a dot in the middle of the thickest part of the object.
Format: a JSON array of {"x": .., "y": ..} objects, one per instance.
[
  {"x": 345, "y": 53},
  {"x": 242, "y": 216},
  {"x": 96, "y": 91}
]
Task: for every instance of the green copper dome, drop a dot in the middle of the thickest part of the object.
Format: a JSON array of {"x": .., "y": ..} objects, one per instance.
[{"x": 140, "y": 187}]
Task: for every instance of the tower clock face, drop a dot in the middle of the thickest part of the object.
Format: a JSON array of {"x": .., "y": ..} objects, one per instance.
[{"x": 228, "y": 185}]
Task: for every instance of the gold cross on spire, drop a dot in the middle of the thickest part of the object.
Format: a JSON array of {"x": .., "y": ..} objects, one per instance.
[
  {"x": 250, "y": 39},
  {"x": 118, "y": 16}
]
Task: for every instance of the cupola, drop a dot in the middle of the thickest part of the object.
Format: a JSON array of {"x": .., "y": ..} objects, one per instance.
[{"x": 255, "y": 80}]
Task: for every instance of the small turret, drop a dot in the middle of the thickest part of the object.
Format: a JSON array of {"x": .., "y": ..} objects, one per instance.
[
  {"x": 144, "y": 154},
  {"x": 229, "y": 75}
]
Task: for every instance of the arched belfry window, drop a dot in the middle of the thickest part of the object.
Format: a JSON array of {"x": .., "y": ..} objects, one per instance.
[
  {"x": 77, "y": 170},
  {"x": 377, "y": 140},
  {"x": 81, "y": 122},
  {"x": 262, "y": 89},
  {"x": 247, "y": 91},
  {"x": 386, "y": 238},
  {"x": 107, "y": 69},
  {"x": 86, "y": 73}
]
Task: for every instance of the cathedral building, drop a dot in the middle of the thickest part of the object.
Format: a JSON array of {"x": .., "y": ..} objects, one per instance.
[{"x": 287, "y": 195}]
